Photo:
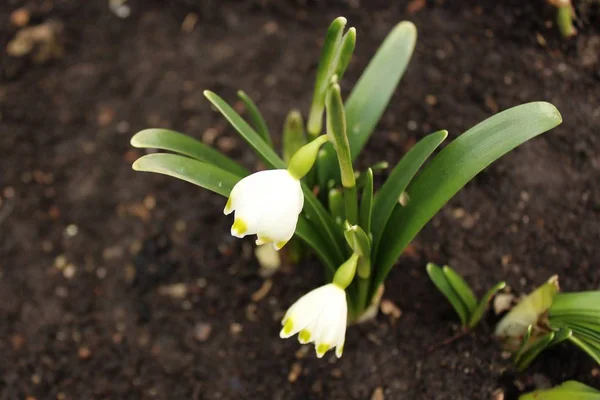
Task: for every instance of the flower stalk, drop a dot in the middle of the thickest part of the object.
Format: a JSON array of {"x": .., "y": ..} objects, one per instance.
[{"x": 336, "y": 130}]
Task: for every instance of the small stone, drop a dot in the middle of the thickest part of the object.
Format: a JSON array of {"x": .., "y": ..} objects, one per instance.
[
  {"x": 30, "y": 398},
  {"x": 20, "y": 17},
  {"x": 101, "y": 273},
  {"x": 71, "y": 230},
  {"x": 202, "y": 331},
  {"x": 60, "y": 262},
  {"x": 235, "y": 328},
  {"x": 337, "y": 373},
  {"x": 17, "y": 342},
  {"x": 36, "y": 379},
  {"x": 595, "y": 372},
  {"x": 503, "y": 302},
  {"x": 180, "y": 226},
  {"x": 106, "y": 115},
  {"x": 271, "y": 27},
  {"x": 189, "y": 22},
  {"x": 150, "y": 202},
  {"x": 61, "y": 292},
  {"x": 498, "y": 394},
  {"x": 69, "y": 271},
  {"x": 176, "y": 290},
  {"x": 295, "y": 372},
  {"x": 9, "y": 192},
  {"x": 431, "y": 100},
  {"x": 390, "y": 309},
  {"x": 84, "y": 353},
  {"x": 378, "y": 394}
]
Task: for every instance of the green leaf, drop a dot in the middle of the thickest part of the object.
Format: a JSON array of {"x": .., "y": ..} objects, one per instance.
[
  {"x": 318, "y": 215},
  {"x": 533, "y": 351},
  {"x": 387, "y": 197},
  {"x": 440, "y": 280},
  {"x": 461, "y": 288},
  {"x": 375, "y": 88},
  {"x": 570, "y": 390},
  {"x": 327, "y": 67},
  {"x": 293, "y": 134},
  {"x": 523, "y": 344},
  {"x": 165, "y": 139},
  {"x": 197, "y": 172},
  {"x": 483, "y": 304},
  {"x": 453, "y": 167},
  {"x": 259, "y": 123},
  {"x": 579, "y": 302},
  {"x": 346, "y": 49},
  {"x": 265, "y": 152},
  {"x": 366, "y": 202},
  {"x": 312, "y": 238},
  {"x": 336, "y": 205},
  {"x": 590, "y": 349}
]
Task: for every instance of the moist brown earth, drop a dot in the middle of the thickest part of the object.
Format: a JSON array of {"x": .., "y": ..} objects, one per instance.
[{"x": 123, "y": 285}]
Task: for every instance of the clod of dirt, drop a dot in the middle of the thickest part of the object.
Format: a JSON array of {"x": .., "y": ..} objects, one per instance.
[{"x": 40, "y": 42}]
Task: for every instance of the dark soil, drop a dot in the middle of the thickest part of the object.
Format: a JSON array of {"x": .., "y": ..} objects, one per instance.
[{"x": 87, "y": 245}]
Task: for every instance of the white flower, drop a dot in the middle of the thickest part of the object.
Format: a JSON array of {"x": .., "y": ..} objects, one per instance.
[
  {"x": 266, "y": 203},
  {"x": 319, "y": 316}
]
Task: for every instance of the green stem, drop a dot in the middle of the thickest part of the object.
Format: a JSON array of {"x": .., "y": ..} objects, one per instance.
[
  {"x": 364, "y": 273},
  {"x": 351, "y": 204}
]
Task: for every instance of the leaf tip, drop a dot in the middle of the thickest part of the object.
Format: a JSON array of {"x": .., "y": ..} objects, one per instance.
[
  {"x": 136, "y": 166},
  {"x": 340, "y": 21}
]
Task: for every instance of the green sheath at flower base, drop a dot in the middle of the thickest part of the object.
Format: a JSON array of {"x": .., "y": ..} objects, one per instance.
[
  {"x": 303, "y": 160},
  {"x": 293, "y": 134},
  {"x": 528, "y": 311},
  {"x": 358, "y": 240},
  {"x": 345, "y": 273}
]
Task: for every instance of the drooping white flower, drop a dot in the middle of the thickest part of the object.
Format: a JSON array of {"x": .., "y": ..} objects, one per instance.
[
  {"x": 320, "y": 316},
  {"x": 266, "y": 203}
]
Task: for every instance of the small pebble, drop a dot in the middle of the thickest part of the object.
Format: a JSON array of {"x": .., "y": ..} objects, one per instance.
[
  {"x": 235, "y": 328},
  {"x": 84, "y": 353},
  {"x": 378, "y": 394},
  {"x": 71, "y": 230},
  {"x": 202, "y": 331},
  {"x": 20, "y": 17},
  {"x": 295, "y": 372},
  {"x": 69, "y": 271}
]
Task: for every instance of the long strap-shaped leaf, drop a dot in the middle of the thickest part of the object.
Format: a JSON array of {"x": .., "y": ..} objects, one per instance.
[
  {"x": 166, "y": 139},
  {"x": 264, "y": 151},
  {"x": 221, "y": 182},
  {"x": 387, "y": 197},
  {"x": 453, "y": 167},
  {"x": 197, "y": 172},
  {"x": 377, "y": 84}
]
